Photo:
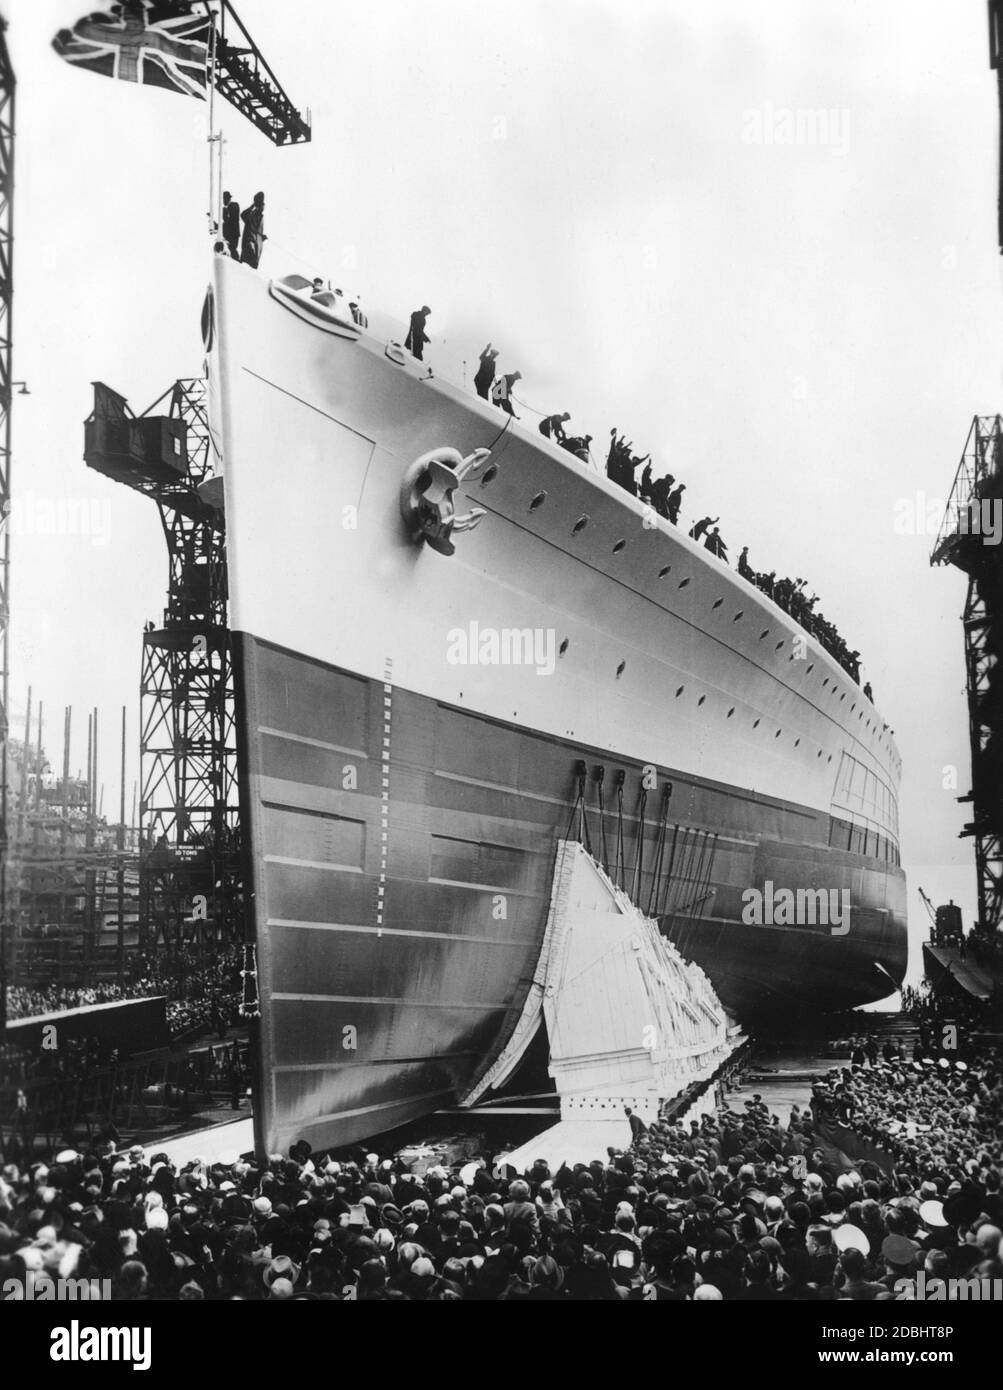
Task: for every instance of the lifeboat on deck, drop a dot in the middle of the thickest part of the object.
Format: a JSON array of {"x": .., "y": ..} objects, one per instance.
[{"x": 324, "y": 309}]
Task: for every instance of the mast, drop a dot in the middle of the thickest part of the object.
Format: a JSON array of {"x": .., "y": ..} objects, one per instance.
[{"x": 7, "y": 88}]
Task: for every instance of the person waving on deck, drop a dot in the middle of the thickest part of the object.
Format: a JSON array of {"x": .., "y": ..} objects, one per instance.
[
  {"x": 704, "y": 524},
  {"x": 486, "y": 371}
]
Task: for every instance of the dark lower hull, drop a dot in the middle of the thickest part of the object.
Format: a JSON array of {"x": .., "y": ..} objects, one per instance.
[{"x": 400, "y": 856}]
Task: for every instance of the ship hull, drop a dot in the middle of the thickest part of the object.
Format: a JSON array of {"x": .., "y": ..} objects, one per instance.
[
  {"x": 389, "y": 982},
  {"x": 403, "y": 785}
]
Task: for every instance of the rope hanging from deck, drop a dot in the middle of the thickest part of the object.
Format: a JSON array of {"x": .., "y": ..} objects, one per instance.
[
  {"x": 657, "y": 867},
  {"x": 635, "y": 887},
  {"x": 603, "y": 846},
  {"x": 579, "y": 809},
  {"x": 621, "y": 868}
]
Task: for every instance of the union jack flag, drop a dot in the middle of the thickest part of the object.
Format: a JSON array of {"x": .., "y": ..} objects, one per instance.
[{"x": 150, "y": 41}]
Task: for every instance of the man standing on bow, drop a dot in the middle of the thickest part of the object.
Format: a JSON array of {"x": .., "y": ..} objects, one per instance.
[
  {"x": 231, "y": 225},
  {"x": 254, "y": 237}
]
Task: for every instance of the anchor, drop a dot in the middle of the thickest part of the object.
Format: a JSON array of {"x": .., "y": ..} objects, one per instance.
[{"x": 426, "y": 496}]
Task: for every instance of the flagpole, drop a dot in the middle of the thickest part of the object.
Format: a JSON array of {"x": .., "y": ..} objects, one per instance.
[{"x": 215, "y": 193}]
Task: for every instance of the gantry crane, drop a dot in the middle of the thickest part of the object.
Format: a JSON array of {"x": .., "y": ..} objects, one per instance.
[{"x": 242, "y": 75}]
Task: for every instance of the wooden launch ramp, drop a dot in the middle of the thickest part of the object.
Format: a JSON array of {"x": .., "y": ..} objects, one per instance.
[{"x": 630, "y": 1022}]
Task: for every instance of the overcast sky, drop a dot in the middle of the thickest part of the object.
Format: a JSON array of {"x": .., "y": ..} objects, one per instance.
[{"x": 800, "y": 331}]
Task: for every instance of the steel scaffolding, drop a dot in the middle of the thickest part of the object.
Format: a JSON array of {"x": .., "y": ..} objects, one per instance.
[
  {"x": 969, "y": 538},
  {"x": 244, "y": 78},
  {"x": 189, "y": 857}
]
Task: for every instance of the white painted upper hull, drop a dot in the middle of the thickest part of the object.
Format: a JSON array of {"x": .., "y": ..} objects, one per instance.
[{"x": 670, "y": 657}]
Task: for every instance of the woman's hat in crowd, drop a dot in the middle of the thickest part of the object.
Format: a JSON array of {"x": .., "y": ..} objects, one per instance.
[
  {"x": 847, "y": 1237},
  {"x": 281, "y": 1267}
]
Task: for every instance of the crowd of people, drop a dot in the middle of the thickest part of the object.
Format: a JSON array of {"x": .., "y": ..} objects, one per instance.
[
  {"x": 203, "y": 989},
  {"x": 735, "y": 1206},
  {"x": 31, "y": 1001},
  {"x": 792, "y": 596},
  {"x": 957, "y": 1016}
]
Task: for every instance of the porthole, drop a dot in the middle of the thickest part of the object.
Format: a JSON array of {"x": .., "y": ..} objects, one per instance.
[
  {"x": 579, "y": 525},
  {"x": 765, "y": 633},
  {"x": 819, "y": 753},
  {"x": 739, "y": 614},
  {"x": 701, "y": 700},
  {"x": 563, "y": 647},
  {"x": 666, "y": 569},
  {"x": 779, "y": 645},
  {"x": 778, "y": 733},
  {"x": 538, "y": 501},
  {"x": 825, "y": 682},
  {"x": 718, "y": 602},
  {"x": 489, "y": 475},
  {"x": 680, "y": 691},
  {"x": 731, "y": 711},
  {"x": 618, "y": 547},
  {"x": 811, "y": 668},
  {"x": 683, "y": 583},
  {"x": 797, "y": 743},
  {"x": 757, "y": 723},
  {"x": 620, "y": 669}
]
